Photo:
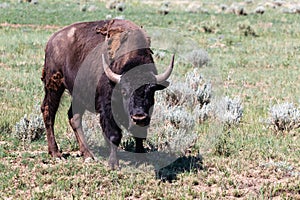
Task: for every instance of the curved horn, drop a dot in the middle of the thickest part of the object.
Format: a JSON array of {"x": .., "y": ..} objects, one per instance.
[
  {"x": 109, "y": 73},
  {"x": 164, "y": 76}
]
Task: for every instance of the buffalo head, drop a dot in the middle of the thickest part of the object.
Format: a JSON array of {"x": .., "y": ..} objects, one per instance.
[{"x": 136, "y": 91}]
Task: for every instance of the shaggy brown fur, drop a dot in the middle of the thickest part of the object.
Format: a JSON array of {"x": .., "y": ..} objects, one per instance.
[{"x": 79, "y": 47}]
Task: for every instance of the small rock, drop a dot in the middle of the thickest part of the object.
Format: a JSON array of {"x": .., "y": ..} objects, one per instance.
[
  {"x": 279, "y": 2},
  {"x": 29, "y": 1},
  {"x": 120, "y": 17},
  {"x": 116, "y": 4},
  {"x": 270, "y": 5},
  {"x": 288, "y": 10},
  {"x": 166, "y": 3},
  {"x": 164, "y": 10},
  {"x": 296, "y": 9},
  {"x": 83, "y": 8},
  {"x": 248, "y": 1},
  {"x": 4, "y": 5},
  {"x": 223, "y": 7},
  {"x": 92, "y": 8},
  {"x": 159, "y": 54},
  {"x": 237, "y": 9},
  {"x": 193, "y": 8},
  {"x": 34, "y": 2},
  {"x": 120, "y": 7},
  {"x": 260, "y": 10},
  {"x": 111, "y": 4},
  {"x": 196, "y": 8},
  {"x": 203, "y": 10},
  {"x": 108, "y": 17}
]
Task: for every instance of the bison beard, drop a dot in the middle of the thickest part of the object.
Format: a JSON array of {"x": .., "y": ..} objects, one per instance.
[{"x": 121, "y": 90}]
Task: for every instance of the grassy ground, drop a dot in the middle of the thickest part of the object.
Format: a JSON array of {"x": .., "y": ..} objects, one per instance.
[{"x": 259, "y": 63}]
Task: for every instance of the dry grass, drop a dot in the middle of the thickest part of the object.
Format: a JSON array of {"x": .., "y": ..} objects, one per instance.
[{"x": 254, "y": 163}]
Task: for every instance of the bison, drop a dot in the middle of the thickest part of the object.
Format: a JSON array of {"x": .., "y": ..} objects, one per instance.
[{"x": 92, "y": 61}]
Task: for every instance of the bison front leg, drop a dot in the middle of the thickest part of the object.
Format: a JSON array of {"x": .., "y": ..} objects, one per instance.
[
  {"x": 140, "y": 134},
  {"x": 75, "y": 121},
  {"x": 139, "y": 147},
  {"x": 113, "y": 135}
]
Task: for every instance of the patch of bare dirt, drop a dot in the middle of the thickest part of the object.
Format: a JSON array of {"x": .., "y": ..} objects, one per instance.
[{"x": 41, "y": 27}]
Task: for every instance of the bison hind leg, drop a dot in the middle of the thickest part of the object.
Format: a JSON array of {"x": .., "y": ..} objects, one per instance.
[
  {"x": 49, "y": 108},
  {"x": 75, "y": 121}
]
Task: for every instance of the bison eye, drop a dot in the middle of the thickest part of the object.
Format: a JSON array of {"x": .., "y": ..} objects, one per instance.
[{"x": 124, "y": 93}]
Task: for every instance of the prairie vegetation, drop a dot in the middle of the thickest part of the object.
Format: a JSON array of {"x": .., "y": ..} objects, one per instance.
[{"x": 235, "y": 82}]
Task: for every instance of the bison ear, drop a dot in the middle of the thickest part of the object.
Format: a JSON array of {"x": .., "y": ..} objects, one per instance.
[{"x": 161, "y": 86}]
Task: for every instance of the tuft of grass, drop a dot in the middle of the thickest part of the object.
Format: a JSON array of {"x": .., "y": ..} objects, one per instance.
[{"x": 246, "y": 29}]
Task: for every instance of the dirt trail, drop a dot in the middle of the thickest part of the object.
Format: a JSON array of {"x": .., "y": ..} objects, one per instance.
[{"x": 43, "y": 27}]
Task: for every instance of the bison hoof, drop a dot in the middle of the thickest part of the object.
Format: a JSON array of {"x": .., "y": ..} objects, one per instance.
[
  {"x": 88, "y": 155},
  {"x": 55, "y": 154},
  {"x": 113, "y": 164}
]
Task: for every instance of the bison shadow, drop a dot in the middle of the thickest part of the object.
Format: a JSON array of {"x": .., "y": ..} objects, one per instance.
[
  {"x": 182, "y": 164},
  {"x": 166, "y": 165}
]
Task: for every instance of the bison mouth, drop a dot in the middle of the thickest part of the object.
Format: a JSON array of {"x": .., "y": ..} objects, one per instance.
[{"x": 140, "y": 120}]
